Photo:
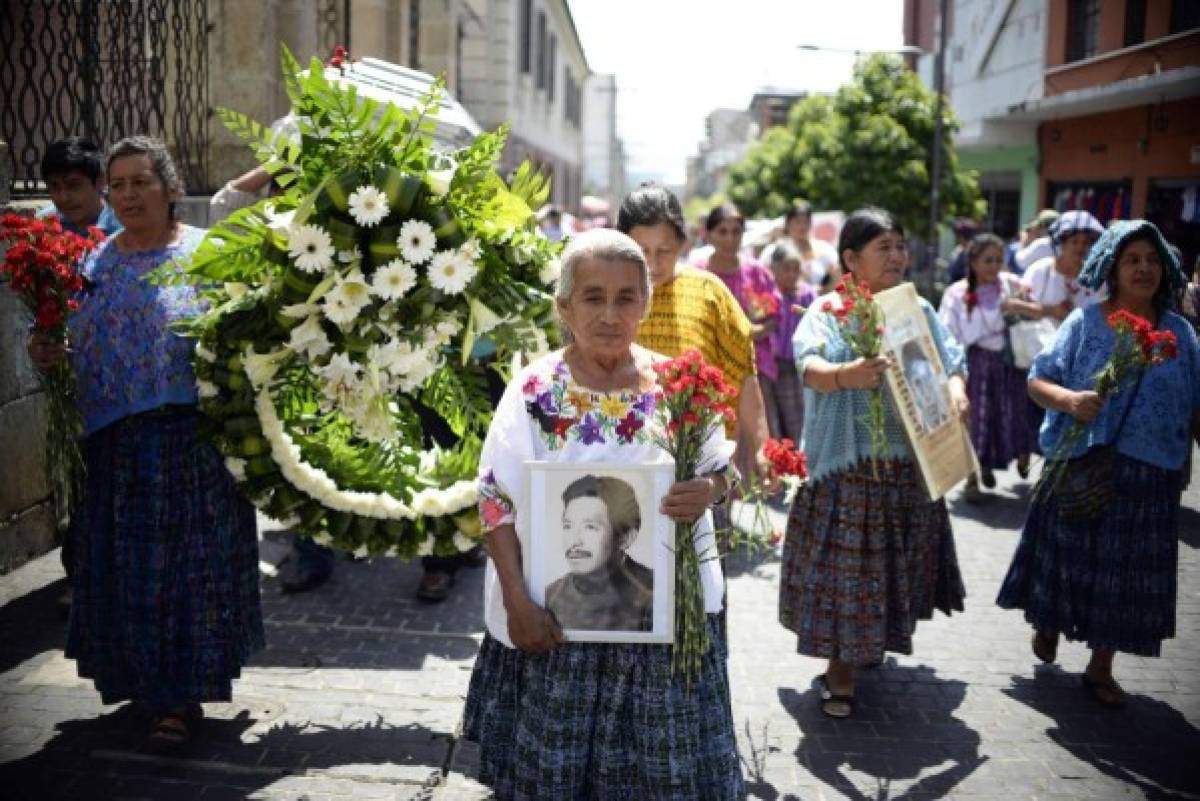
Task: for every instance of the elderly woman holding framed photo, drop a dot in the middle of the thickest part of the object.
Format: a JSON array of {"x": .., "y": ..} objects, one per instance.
[
  {"x": 1108, "y": 579},
  {"x": 558, "y": 719},
  {"x": 866, "y": 555},
  {"x": 166, "y": 605}
]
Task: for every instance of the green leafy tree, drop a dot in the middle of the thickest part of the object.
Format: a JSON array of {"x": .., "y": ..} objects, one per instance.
[{"x": 867, "y": 144}]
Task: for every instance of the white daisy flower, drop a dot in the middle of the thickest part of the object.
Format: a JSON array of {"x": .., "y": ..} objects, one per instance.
[
  {"x": 393, "y": 280},
  {"x": 450, "y": 272},
  {"x": 348, "y": 297},
  {"x": 416, "y": 241},
  {"x": 368, "y": 206},
  {"x": 311, "y": 247},
  {"x": 448, "y": 327}
]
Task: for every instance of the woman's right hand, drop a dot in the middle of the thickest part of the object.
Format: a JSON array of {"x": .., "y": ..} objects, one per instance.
[
  {"x": 1084, "y": 405},
  {"x": 861, "y": 373},
  {"x": 46, "y": 352},
  {"x": 532, "y": 628}
]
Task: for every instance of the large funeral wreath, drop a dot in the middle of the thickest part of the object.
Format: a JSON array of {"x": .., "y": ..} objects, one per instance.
[{"x": 387, "y": 274}]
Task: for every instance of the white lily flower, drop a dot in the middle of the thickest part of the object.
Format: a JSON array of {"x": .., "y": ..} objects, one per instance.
[
  {"x": 280, "y": 222},
  {"x": 485, "y": 319},
  {"x": 348, "y": 297},
  {"x": 206, "y": 389},
  {"x": 550, "y": 272},
  {"x": 299, "y": 311},
  {"x": 311, "y": 247},
  {"x": 416, "y": 241},
  {"x": 310, "y": 339},
  {"x": 439, "y": 180},
  {"x": 368, "y": 206},
  {"x": 261, "y": 367}
]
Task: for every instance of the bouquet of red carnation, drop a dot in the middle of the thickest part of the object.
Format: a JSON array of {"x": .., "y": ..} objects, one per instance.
[
  {"x": 786, "y": 459},
  {"x": 695, "y": 402},
  {"x": 762, "y": 305},
  {"x": 42, "y": 268},
  {"x": 859, "y": 320},
  {"x": 1137, "y": 347}
]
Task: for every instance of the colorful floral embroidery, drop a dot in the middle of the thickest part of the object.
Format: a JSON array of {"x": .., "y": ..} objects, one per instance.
[
  {"x": 495, "y": 508},
  {"x": 566, "y": 412}
]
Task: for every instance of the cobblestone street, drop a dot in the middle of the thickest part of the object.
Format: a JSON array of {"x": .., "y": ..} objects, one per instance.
[{"x": 360, "y": 691}]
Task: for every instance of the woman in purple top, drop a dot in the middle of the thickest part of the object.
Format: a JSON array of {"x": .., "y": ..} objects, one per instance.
[
  {"x": 748, "y": 280},
  {"x": 783, "y": 395}
]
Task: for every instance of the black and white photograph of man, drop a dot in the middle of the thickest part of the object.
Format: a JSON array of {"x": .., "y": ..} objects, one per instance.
[
  {"x": 604, "y": 588},
  {"x": 927, "y": 392}
]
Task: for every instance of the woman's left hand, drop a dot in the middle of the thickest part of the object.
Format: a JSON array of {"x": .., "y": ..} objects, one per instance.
[
  {"x": 685, "y": 501},
  {"x": 959, "y": 400}
]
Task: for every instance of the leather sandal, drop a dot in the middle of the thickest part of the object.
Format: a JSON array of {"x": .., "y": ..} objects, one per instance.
[
  {"x": 1107, "y": 693},
  {"x": 838, "y": 706}
]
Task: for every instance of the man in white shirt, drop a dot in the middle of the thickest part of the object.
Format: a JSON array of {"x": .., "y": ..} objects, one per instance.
[{"x": 1037, "y": 244}]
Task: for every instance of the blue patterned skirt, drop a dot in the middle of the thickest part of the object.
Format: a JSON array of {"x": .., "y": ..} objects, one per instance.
[
  {"x": 166, "y": 606},
  {"x": 601, "y": 722},
  {"x": 863, "y": 561},
  {"x": 1000, "y": 419},
  {"x": 1110, "y": 583}
]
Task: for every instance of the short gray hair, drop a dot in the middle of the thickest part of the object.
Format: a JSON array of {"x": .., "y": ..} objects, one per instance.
[
  {"x": 783, "y": 251},
  {"x": 600, "y": 244},
  {"x": 160, "y": 160}
]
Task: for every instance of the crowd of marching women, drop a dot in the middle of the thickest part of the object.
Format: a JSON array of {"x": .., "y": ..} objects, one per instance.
[{"x": 163, "y": 561}]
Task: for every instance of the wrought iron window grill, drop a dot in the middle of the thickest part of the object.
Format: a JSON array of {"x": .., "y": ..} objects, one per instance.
[{"x": 105, "y": 69}]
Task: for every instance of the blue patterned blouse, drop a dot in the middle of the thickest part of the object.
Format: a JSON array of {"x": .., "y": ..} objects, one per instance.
[
  {"x": 835, "y": 435},
  {"x": 1158, "y": 428},
  {"x": 126, "y": 358}
]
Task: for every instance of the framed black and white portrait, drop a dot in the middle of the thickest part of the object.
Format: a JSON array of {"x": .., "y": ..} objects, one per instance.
[{"x": 601, "y": 556}]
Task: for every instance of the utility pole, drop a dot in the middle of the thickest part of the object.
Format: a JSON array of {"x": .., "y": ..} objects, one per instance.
[{"x": 935, "y": 170}]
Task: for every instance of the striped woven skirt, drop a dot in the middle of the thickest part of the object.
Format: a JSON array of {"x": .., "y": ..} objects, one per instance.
[
  {"x": 602, "y": 722},
  {"x": 1000, "y": 419},
  {"x": 863, "y": 561},
  {"x": 166, "y": 606},
  {"x": 1111, "y": 583}
]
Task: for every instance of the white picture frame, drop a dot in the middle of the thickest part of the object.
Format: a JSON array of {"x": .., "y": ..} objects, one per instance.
[
  {"x": 918, "y": 389},
  {"x": 597, "y": 589}
]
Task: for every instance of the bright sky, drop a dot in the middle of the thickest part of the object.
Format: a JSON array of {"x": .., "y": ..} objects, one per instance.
[{"x": 677, "y": 60}]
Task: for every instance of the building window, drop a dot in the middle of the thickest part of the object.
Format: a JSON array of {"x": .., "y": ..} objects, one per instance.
[
  {"x": 1185, "y": 15},
  {"x": 541, "y": 47},
  {"x": 1135, "y": 22},
  {"x": 526, "y": 38},
  {"x": 414, "y": 34},
  {"x": 1083, "y": 28},
  {"x": 550, "y": 68}
]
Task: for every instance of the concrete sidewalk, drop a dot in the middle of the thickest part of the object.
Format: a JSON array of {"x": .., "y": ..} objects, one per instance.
[{"x": 360, "y": 691}]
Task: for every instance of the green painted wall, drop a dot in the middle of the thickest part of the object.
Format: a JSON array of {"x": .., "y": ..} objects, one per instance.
[{"x": 1022, "y": 159}]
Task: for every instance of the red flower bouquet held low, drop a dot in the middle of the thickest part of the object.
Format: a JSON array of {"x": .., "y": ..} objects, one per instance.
[
  {"x": 763, "y": 305},
  {"x": 696, "y": 401},
  {"x": 42, "y": 268},
  {"x": 1138, "y": 347},
  {"x": 859, "y": 320}
]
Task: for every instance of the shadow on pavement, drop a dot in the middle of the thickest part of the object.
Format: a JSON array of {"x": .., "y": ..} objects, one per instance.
[
  {"x": 1189, "y": 527},
  {"x": 31, "y": 624},
  {"x": 902, "y": 735},
  {"x": 997, "y": 509},
  {"x": 105, "y": 757},
  {"x": 1148, "y": 745}
]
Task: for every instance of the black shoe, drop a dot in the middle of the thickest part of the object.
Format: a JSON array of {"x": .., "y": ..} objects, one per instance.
[
  {"x": 988, "y": 478},
  {"x": 476, "y": 557},
  {"x": 435, "y": 586},
  {"x": 303, "y": 582}
]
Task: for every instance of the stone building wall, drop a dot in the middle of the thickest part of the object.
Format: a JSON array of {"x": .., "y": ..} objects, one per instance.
[{"x": 27, "y": 517}]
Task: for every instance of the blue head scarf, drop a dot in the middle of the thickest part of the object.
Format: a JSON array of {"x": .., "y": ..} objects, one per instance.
[{"x": 1103, "y": 256}]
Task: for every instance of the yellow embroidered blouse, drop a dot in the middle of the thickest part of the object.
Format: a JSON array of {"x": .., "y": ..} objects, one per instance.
[{"x": 697, "y": 310}]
